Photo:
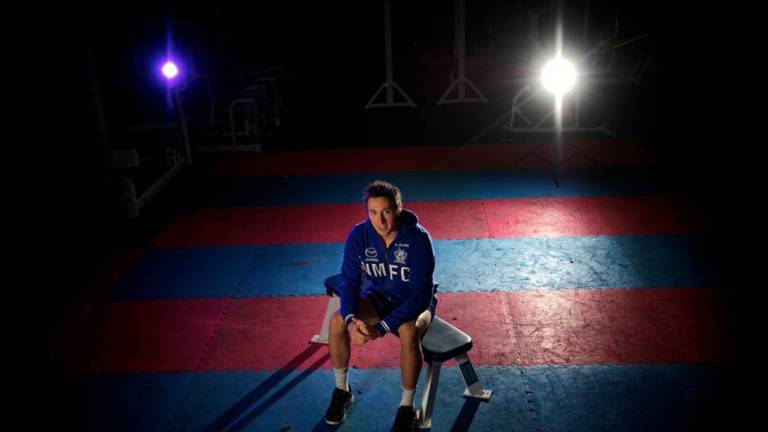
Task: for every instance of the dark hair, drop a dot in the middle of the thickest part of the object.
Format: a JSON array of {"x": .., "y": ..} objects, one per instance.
[{"x": 380, "y": 188}]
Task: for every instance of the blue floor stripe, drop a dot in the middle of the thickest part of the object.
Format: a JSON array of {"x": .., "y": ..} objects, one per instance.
[
  {"x": 144, "y": 402},
  {"x": 459, "y": 185},
  {"x": 462, "y": 265},
  {"x": 545, "y": 398},
  {"x": 186, "y": 273}
]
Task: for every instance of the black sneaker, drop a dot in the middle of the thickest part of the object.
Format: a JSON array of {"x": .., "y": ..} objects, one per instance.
[
  {"x": 405, "y": 420},
  {"x": 340, "y": 402}
]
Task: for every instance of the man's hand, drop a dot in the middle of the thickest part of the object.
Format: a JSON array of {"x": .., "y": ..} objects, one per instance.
[{"x": 360, "y": 332}]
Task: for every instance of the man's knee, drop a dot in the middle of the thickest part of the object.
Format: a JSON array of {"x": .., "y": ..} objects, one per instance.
[
  {"x": 409, "y": 335},
  {"x": 337, "y": 325}
]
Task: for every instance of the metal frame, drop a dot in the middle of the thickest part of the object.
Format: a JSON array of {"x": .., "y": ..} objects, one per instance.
[
  {"x": 461, "y": 80},
  {"x": 473, "y": 389},
  {"x": 389, "y": 84},
  {"x": 268, "y": 86},
  {"x": 134, "y": 204},
  {"x": 233, "y": 131},
  {"x": 526, "y": 95}
]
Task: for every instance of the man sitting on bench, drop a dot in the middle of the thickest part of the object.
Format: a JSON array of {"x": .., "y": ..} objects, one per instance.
[{"x": 386, "y": 287}]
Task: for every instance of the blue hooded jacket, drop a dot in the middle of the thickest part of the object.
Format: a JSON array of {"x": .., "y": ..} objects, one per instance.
[{"x": 402, "y": 274}]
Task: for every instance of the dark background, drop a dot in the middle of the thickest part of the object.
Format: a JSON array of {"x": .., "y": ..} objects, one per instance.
[
  {"x": 695, "y": 108},
  {"x": 690, "y": 109}
]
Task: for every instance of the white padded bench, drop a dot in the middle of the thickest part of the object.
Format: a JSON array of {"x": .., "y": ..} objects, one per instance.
[
  {"x": 439, "y": 343},
  {"x": 334, "y": 303}
]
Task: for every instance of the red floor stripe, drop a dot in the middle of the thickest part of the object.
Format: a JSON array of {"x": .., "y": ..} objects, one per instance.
[
  {"x": 150, "y": 336},
  {"x": 568, "y": 216},
  {"x": 512, "y": 328},
  {"x": 434, "y": 158},
  {"x": 581, "y": 216}
]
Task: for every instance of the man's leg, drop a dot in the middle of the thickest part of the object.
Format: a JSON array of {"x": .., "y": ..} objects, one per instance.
[
  {"x": 339, "y": 337},
  {"x": 411, "y": 359},
  {"x": 340, "y": 352},
  {"x": 339, "y": 342}
]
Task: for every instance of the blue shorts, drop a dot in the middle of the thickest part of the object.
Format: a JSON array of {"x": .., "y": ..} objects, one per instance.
[
  {"x": 380, "y": 303},
  {"x": 384, "y": 307}
]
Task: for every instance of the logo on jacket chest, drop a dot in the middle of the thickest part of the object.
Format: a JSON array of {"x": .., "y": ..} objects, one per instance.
[{"x": 400, "y": 255}]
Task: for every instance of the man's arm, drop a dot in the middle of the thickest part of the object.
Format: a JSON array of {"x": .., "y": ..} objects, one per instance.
[
  {"x": 421, "y": 292},
  {"x": 351, "y": 278}
]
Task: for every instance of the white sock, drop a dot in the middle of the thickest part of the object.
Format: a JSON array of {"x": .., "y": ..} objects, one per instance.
[
  {"x": 407, "y": 398},
  {"x": 341, "y": 378}
]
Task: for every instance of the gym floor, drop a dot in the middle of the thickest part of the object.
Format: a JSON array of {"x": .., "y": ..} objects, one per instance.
[{"x": 598, "y": 305}]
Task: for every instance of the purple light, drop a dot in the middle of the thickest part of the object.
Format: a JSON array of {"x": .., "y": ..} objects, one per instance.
[{"x": 170, "y": 70}]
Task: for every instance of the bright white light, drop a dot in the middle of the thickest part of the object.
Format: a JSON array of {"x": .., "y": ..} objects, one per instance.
[
  {"x": 170, "y": 70},
  {"x": 558, "y": 76}
]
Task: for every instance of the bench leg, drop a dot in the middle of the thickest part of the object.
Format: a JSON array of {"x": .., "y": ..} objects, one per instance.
[
  {"x": 473, "y": 389},
  {"x": 430, "y": 394},
  {"x": 333, "y": 306}
]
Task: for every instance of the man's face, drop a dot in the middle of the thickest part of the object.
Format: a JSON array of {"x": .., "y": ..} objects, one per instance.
[{"x": 383, "y": 215}]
